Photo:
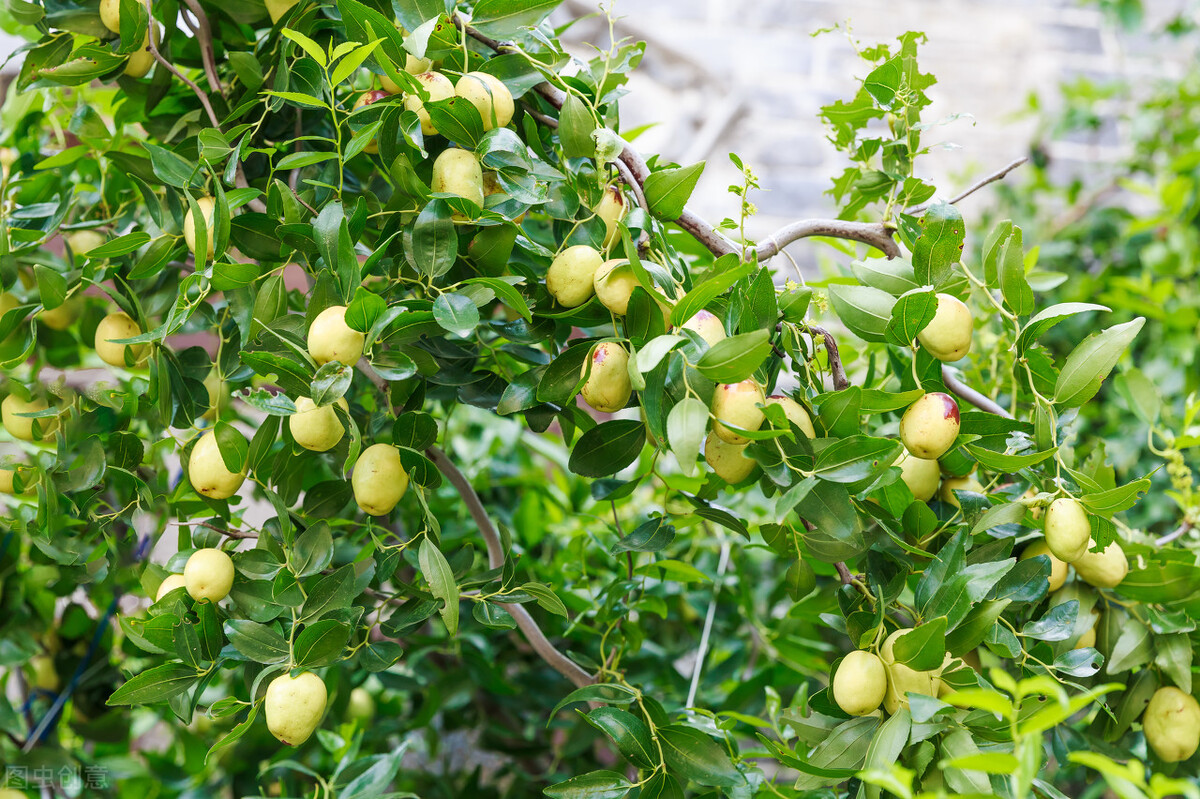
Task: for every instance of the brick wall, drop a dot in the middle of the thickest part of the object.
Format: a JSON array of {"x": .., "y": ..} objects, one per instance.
[{"x": 747, "y": 76}]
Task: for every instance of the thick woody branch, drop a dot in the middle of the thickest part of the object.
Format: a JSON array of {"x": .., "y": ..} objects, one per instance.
[
  {"x": 970, "y": 395},
  {"x": 208, "y": 109},
  {"x": 875, "y": 234},
  {"x": 491, "y": 536},
  {"x": 537, "y": 639}
]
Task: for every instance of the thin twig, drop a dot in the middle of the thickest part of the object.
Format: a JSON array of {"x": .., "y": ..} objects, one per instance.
[
  {"x": 992, "y": 178},
  {"x": 968, "y": 394},
  {"x": 844, "y": 573},
  {"x": 702, "y": 650},
  {"x": 205, "y": 39},
  {"x": 537, "y": 639},
  {"x": 1178, "y": 532},
  {"x": 627, "y": 176},
  {"x": 875, "y": 234},
  {"x": 491, "y": 536},
  {"x": 208, "y": 109}
]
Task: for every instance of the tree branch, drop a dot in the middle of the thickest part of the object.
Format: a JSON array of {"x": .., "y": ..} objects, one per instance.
[
  {"x": 491, "y": 536},
  {"x": 992, "y": 178},
  {"x": 840, "y": 381},
  {"x": 204, "y": 37},
  {"x": 537, "y": 639},
  {"x": 970, "y": 395},
  {"x": 875, "y": 234}
]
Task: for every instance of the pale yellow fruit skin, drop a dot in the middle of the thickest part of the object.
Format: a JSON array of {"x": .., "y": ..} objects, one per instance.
[
  {"x": 737, "y": 404},
  {"x": 608, "y": 387},
  {"x": 10, "y": 793},
  {"x": 277, "y": 8},
  {"x": 361, "y": 706},
  {"x": 930, "y": 425},
  {"x": 379, "y": 480},
  {"x": 458, "y": 172},
  {"x": 84, "y": 241},
  {"x": 413, "y": 66},
  {"x": 728, "y": 461},
  {"x": 1068, "y": 531},
  {"x": 488, "y": 94},
  {"x": 331, "y": 339},
  {"x": 570, "y": 276},
  {"x": 439, "y": 88},
  {"x": 63, "y": 316},
  {"x": 614, "y": 283},
  {"x": 114, "y": 327},
  {"x": 1171, "y": 723},
  {"x": 611, "y": 209},
  {"x": 1088, "y": 639},
  {"x": 44, "y": 675},
  {"x": 7, "y": 485},
  {"x": 169, "y": 584},
  {"x": 707, "y": 326},
  {"x": 948, "y": 336},
  {"x": 795, "y": 413},
  {"x": 140, "y": 62},
  {"x": 952, "y": 484},
  {"x": 1104, "y": 569},
  {"x": 207, "y": 472},
  {"x": 860, "y": 685},
  {"x": 22, "y": 426},
  {"x": 294, "y": 707},
  {"x": 1058, "y": 568},
  {"x": 207, "y": 206},
  {"x": 110, "y": 14},
  {"x": 208, "y": 574},
  {"x": 902, "y": 680},
  {"x": 921, "y": 476},
  {"x": 317, "y": 429}
]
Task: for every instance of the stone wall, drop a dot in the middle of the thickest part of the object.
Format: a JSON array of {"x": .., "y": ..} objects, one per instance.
[{"x": 748, "y": 76}]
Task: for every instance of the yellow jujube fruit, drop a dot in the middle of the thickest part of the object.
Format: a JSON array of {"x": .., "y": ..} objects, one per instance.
[
  {"x": 139, "y": 63},
  {"x": 901, "y": 679},
  {"x": 218, "y": 397},
  {"x": 948, "y": 336},
  {"x": 608, "y": 387},
  {"x": 612, "y": 208},
  {"x": 795, "y": 413},
  {"x": 1104, "y": 569},
  {"x": 8, "y": 477},
  {"x": 1088, "y": 639},
  {"x": 614, "y": 283},
  {"x": 44, "y": 675},
  {"x": 208, "y": 574},
  {"x": 365, "y": 99},
  {"x": 952, "y": 484},
  {"x": 490, "y": 97},
  {"x": 412, "y": 65},
  {"x": 728, "y": 461},
  {"x": 1068, "y": 531},
  {"x": 379, "y": 480},
  {"x": 21, "y": 427},
  {"x": 930, "y": 425},
  {"x": 82, "y": 242},
  {"x": 116, "y": 327},
  {"x": 439, "y": 88},
  {"x": 63, "y": 315},
  {"x": 331, "y": 339},
  {"x": 1058, "y": 569},
  {"x": 920, "y": 475},
  {"x": 317, "y": 429},
  {"x": 277, "y": 8},
  {"x": 207, "y": 471},
  {"x": 737, "y": 404},
  {"x": 191, "y": 230},
  {"x": 860, "y": 685},
  {"x": 458, "y": 172},
  {"x": 294, "y": 707},
  {"x": 707, "y": 326},
  {"x": 110, "y": 14},
  {"x": 169, "y": 584},
  {"x": 1171, "y": 723},
  {"x": 361, "y": 706},
  {"x": 570, "y": 276}
]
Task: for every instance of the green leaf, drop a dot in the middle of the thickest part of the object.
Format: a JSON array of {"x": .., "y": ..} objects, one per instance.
[
  {"x": 595, "y": 785},
  {"x": 504, "y": 17},
  {"x": 155, "y": 685},
  {"x": 865, "y": 310},
  {"x": 608, "y": 448},
  {"x": 695, "y": 756},
  {"x": 924, "y": 648},
  {"x": 1050, "y": 317},
  {"x": 1091, "y": 361},
  {"x": 668, "y": 190},
  {"x": 546, "y": 598},
  {"x": 575, "y": 126},
  {"x": 735, "y": 358},
  {"x": 257, "y": 641},
  {"x": 456, "y": 313},
  {"x": 437, "y": 573},
  {"x": 321, "y": 643},
  {"x": 940, "y": 245},
  {"x": 608, "y": 693},
  {"x": 1013, "y": 284},
  {"x": 910, "y": 315},
  {"x": 628, "y": 732},
  {"x": 309, "y": 46},
  {"x": 685, "y": 431},
  {"x": 432, "y": 244},
  {"x": 651, "y": 536}
]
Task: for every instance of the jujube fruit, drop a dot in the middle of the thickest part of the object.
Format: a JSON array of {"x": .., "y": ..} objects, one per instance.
[
  {"x": 294, "y": 706},
  {"x": 948, "y": 336},
  {"x": 1171, "y": 723},
  {"x": 737, "y": 404},
  {"x": 608, "y": 387},
  {"x": 379, "y": 480},
  {"x": 331, "y": 339},
  {"x": 569, "y": 278},
  {"x": 208, "y": 575},
  {"x": 860, "y": 684},
  {"x": 930, "y": 425},
  {"x": 1068, "y": 531},
  {"x": 207, "y": 471},
  {"x": 116, "y": 327}
]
